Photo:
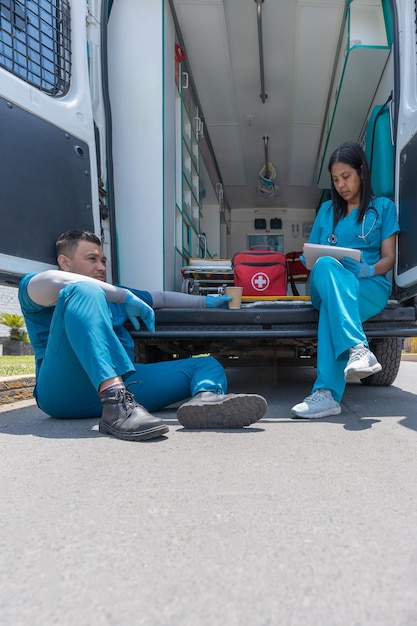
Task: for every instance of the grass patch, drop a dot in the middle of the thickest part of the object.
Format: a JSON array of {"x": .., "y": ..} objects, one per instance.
[{"x": 17, "y": 365}]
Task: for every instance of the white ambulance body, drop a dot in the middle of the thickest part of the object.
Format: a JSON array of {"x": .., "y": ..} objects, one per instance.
[{"x": 184, "y": 129}]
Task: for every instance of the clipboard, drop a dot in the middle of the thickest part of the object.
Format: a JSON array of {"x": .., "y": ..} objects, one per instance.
[{"x": 313, "y": 251}]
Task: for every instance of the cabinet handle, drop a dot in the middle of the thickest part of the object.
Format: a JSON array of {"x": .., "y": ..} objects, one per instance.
[
  {"x": 198, "y": 126},
  {"x": 185, "y": 81}
]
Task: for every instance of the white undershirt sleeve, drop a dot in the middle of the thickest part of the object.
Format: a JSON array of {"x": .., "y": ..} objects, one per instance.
[
  {"x": 177, "y": 300},
  {"x": 44, "y": 288}
]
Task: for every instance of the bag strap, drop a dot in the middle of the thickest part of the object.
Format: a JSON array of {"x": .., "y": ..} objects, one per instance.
[{"x": 292, "y": 281}]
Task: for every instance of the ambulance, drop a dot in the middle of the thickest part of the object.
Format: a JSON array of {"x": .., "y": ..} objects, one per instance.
[{"x": 185, "y": 131}]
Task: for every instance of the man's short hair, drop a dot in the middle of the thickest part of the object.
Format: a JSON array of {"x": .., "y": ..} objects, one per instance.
[{"x": 67, "y": 242}]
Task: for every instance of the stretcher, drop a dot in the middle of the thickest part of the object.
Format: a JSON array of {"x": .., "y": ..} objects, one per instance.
[{"x": 207, "y": 276}]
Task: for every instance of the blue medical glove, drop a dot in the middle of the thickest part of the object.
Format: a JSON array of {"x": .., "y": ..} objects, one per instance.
[
  {"x": 361, "y": 270},
  {"x": 217, "y": 301},
  {"x": 302, "y": 259},
  {"x": 135, "y": 307}
]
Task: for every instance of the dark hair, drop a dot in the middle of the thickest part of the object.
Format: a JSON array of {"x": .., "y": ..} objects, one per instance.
[
  {"x": 68, "y": 241},
  {"x": 352, "y": 154}
]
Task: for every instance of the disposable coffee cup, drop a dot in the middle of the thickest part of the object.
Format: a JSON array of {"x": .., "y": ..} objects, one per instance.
[{"x": 236, "y": 294}]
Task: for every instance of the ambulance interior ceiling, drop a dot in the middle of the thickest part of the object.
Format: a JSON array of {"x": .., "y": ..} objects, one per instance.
[{"x": 300, "y": 40}]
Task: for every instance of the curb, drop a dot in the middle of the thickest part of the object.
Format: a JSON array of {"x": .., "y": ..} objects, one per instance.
[{"x": 14, "y": 388}]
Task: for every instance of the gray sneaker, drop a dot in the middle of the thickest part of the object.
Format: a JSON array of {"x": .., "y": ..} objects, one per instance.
[
  {"x": 213, "y": 410},
  {"x": 362, "y": 363},
  {"x": 319, "y": 404}
]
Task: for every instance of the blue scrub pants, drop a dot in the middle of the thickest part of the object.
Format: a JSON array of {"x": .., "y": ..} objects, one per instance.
[
  {"x": 344, "y": 302},
  {"x": 83, "y": 350}
]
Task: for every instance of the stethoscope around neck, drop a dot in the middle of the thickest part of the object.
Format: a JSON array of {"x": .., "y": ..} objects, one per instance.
[{"x": 332, "y": 239}]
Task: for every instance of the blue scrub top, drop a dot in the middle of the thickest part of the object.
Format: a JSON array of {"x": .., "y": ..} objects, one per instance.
[{"x": 379, "y": 223}]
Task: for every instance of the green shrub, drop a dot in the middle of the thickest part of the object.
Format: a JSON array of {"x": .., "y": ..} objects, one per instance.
[{"x": 16, "y": 323}]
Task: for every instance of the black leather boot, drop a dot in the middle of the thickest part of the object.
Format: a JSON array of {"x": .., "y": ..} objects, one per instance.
[
  {"x": 124, "y": 418},
  {"x": 212, "y": 410}
]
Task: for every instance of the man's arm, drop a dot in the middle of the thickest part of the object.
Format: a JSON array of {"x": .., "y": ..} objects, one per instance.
[
  {"x": 44, "y": 288},
  {"x": 177, "y": 300}
]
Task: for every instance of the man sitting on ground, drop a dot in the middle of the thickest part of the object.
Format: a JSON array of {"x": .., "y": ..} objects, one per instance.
[{"x": 85, "y": 355}]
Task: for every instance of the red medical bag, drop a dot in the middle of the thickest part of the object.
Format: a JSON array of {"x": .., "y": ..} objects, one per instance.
[{"x": 260, "y": 272}]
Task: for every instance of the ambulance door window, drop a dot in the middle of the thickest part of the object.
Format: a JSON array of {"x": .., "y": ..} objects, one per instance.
[{"x": 35, "y": 43}]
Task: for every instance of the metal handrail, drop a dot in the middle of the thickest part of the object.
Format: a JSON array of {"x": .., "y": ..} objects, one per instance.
[{"x": 263, "y": 95}]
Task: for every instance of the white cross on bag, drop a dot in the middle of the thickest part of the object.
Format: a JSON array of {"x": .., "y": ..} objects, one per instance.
[{"x": 260, "y": 281}]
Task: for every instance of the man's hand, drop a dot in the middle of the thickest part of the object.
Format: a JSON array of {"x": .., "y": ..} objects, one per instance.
[
  {"x": 361, "y": 270},
  {"x": 135, "y": 307},
  {"x": 217, "y": 301}
]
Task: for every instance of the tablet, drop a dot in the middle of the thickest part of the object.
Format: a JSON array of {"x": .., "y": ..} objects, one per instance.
[{"x": 313, "y": 251}]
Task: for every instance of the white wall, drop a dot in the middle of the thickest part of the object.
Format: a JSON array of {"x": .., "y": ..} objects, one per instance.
[
  {"x": 210, "y": 225},
  {"x": 136, "y": 92},
  {"x": 169, "y": 165},
  {"x": 242, "y": 224}
]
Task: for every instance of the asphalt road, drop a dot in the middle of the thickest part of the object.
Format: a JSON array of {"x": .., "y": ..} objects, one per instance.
[{"x": 293, "y": 523}]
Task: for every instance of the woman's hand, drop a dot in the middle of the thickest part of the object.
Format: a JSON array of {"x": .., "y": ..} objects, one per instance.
[{"x": 361, "y": 270}]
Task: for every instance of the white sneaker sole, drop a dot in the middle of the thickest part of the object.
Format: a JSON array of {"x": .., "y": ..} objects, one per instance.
[
  {"x": 351, "y": 375},
  {"x": 313, "y": 416}
]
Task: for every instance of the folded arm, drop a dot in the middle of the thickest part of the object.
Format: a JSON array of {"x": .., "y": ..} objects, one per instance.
[
  {"x": 385, "y": 263},
  {"x": 44, "y": 288},
  {"x": 387, "y": 260}
]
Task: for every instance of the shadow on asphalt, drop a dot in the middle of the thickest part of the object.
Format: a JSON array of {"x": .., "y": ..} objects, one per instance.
[
  {"x": 362, "y": 407},
  {"x": 31, "y": 421}
]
